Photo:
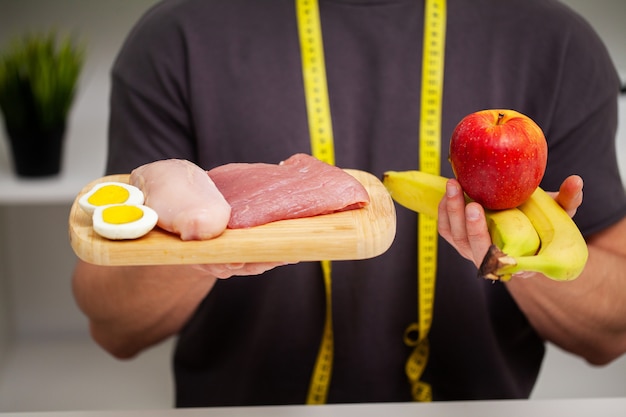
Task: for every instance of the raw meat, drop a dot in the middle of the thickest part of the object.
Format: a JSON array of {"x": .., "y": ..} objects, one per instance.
[
  {"x": 301, "y": 186},
  {"x": 186, "y": 200}
]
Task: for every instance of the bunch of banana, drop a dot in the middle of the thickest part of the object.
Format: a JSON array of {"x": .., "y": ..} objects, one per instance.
[{"x": 538, "y": 236}]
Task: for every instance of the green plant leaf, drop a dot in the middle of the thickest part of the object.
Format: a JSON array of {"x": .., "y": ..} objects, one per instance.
[{"x": 38, "y": 79}]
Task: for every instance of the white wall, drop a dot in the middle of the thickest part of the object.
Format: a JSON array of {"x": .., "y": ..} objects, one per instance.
[{"x": 35, "y": 257}]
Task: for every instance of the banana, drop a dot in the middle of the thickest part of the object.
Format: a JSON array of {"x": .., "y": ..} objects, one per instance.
[
  {"x": 416, "y": 190},
  {"x": 511, "y": 231},
  {"x": 563, "y": 253}
]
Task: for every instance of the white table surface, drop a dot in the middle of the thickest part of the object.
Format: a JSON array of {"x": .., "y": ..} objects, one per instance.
[{"x": 596, "y": 407}]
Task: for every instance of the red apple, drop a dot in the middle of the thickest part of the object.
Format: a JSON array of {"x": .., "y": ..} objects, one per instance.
[{"x": 499, "y": 157}]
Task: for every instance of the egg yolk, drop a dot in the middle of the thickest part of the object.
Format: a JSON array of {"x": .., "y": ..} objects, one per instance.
[
  {"x": 121, "y": 214},
  {"x": 109, "y": 194}
]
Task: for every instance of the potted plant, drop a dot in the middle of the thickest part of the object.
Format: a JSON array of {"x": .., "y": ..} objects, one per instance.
[{"x": 38, "y": 80}]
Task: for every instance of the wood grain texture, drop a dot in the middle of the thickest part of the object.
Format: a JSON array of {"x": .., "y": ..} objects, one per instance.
[{"x": 355, "y": 234}]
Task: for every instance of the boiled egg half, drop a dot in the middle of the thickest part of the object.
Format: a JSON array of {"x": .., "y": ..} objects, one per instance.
[
  {"x": 123, "y": 221},
  {"x": 108, "y": 193}
]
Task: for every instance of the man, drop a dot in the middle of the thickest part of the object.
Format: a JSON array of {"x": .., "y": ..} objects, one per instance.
[{"x": 217, "y": 82}]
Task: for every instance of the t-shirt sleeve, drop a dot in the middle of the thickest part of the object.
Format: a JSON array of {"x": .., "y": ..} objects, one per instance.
[
  {"x": 149, "y": 117},
  {"x": 582, "y": 128}
]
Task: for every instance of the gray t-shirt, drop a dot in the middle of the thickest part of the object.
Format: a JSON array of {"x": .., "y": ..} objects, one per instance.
[{"x": 221, "y": 81}]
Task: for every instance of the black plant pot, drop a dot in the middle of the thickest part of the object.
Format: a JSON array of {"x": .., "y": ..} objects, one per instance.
[{"x": 36, "y": 152}]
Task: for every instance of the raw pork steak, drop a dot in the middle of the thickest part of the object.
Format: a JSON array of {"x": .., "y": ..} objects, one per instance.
[{"x": 301, "y": 186}]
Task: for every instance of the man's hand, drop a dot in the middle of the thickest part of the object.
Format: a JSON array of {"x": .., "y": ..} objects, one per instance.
[
  {"x": 223, "y": 271},
  {"x": 464, "y": 225},
  {"x": 570, "y": 195}
]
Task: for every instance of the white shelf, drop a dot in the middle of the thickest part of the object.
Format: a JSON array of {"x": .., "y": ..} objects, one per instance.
[
  {"x": 83, "y": 161},
  {"x": 55, "y": 190}
]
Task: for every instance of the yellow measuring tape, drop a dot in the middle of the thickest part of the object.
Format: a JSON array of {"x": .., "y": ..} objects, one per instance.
[
  {"x": 315, "y": 84},
  {"x": 322, "y": 145},
  {"x": 416, "y": 334}
]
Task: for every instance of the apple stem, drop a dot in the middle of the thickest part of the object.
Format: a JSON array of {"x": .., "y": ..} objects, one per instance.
[{"x": 500, "y": 117}]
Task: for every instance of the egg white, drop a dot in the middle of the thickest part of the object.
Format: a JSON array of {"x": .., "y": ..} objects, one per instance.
[
  {"x": 131, "y": 230},
  {"x": 135, "y": 197}
]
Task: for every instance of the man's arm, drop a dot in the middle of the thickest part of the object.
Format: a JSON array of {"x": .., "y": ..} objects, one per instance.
[
  {"x": 586, "y": 316},
  {"x": 131, "y": 308}
]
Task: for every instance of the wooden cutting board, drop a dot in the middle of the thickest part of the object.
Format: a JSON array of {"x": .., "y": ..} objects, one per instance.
[{"x": 354, "y": 234}]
